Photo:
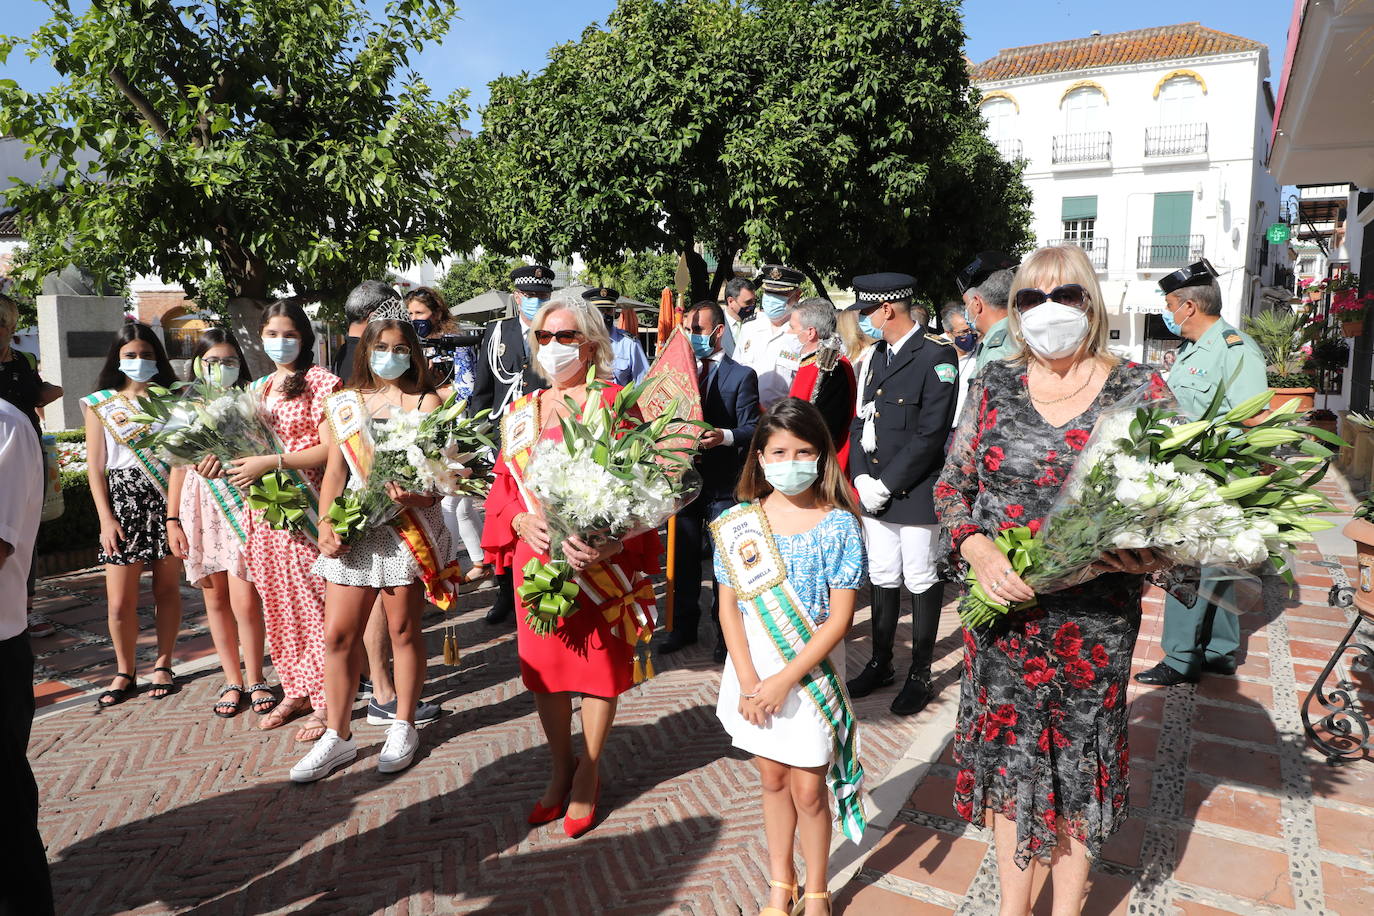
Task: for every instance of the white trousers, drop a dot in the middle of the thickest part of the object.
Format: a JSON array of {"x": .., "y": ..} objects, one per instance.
[
  {"x": 901, "y": 554},
  {"x": 463, "y": 520}
]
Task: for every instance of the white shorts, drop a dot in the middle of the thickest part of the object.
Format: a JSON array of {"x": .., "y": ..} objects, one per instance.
[{"x": 901, "y": 554}]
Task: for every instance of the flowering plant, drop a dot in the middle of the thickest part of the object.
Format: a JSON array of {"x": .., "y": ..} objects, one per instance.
[
  {"x": 1211, "y": 492},
  {"x": 190, "y": 421},
  {"x": 611, "y": 476},
  {"x": 1347, "y": 305},
  {"x": 440, "y": 453}
]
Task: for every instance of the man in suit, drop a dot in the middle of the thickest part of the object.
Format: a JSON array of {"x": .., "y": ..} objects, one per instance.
[
  {"x": 503, "y": 373},
  {"x": 896, "y": 451},
  {"x": 730, "y": 403},
  {"x": 631, "y": 364},
  {"x": 740, "y": 303}
]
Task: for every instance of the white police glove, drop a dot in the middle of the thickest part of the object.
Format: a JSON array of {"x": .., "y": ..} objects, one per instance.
[{"x": 872, "y": 493}]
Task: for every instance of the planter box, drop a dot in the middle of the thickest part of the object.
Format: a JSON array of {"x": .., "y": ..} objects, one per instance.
[
  {"x": 1306, "y": 398},
  {"x": 65, "y": 561},
  {"x": 1364, "y": 449},
  {"x": 1352, "y": 328}
]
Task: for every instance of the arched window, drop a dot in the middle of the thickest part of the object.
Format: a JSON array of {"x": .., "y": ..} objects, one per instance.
[
  {"x": 1084, "y": 110},
  {"x": 1180, "y": 101},
  {"x": 999, "y": 114}
]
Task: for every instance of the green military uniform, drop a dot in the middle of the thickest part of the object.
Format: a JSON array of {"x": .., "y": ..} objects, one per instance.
[
  {"x": 1227, "y": 359},
  {"x": 997, "y": 343}
]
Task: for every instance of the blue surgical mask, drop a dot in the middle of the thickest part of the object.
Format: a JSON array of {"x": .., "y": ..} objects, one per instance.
[
  {"x": 282, "y": 350},
  {"x": 138, "y": 370},
  {"x": 867, "y": 327},
  {"x": 774, "y": 305},
  {"x": 702, "y": 345},
  {"x": 1171, "y": 322},
  {"x": 790, "y": 477},
  {"x": 389, "y": 365},
  {"x": 423, "y": 326},
  {"x": 529, "y": 306}
]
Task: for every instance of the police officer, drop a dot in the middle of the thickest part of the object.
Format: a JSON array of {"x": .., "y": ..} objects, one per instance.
[
  {"x": 1214, "y": 356},
  {"x": 766, "y": 343},
  {"x": 630, "y": 362},
  {"x": 897, "y": 447},
  {"x": 985, "y": 284},
  {"x": 503, "y": 373}
]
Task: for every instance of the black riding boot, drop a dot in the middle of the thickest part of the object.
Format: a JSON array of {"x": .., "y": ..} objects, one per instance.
[
  {"x": 887, "y": 608},
  {"x": 916, "y": 692},
  {"x": 504, "y": 608}
]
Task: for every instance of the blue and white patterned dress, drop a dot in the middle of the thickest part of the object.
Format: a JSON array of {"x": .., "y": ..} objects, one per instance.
[{"x": 829, "y": 556}]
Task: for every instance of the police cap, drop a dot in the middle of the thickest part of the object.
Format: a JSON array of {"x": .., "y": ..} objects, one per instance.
[
  {"x": 1201, "y": 273},
  {"x": 535, "y": 278},
  {"x": 872, "y": 289}
]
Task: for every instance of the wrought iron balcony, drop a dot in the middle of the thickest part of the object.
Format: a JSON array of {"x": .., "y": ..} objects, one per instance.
[
  {"x": 1096, "y": 249},
  {"x": 1156, "y": 251},
  {"x": 1010, "y": 149},
  {"x": 1176, "y": 140},
  {"x": 1089, "y": 147}
]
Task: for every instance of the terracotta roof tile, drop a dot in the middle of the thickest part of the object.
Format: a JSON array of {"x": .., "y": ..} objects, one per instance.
[
  {"x": 1167, "y": 42},
  {"x": 9, "y": 225}
]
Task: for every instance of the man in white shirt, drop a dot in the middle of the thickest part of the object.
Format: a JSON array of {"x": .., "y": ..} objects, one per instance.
[
  {"x": 740, "y": 304},
  {"x": 766, "y": 343},
  {"x": 965, "y": 339},
  {"x": 27, "y": 889}
]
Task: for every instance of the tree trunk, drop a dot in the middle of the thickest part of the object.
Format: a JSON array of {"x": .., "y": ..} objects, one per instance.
[
  {"x": 725, "y": 269},
  {"x": 815, "y": 281},
  {"x": 245, "y": 316},
  {"x": 701, "y": 279}
]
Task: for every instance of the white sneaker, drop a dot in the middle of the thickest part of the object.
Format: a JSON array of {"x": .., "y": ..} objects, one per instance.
[
  {"x": 328, "y": 754},
  {"x": 402, "y": 741}
]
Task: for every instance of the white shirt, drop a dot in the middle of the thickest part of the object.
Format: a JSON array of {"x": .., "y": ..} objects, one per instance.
[
  {"x": 118, "y": 456},
  {"x": 968, "y": 366},
  {"x": 894, "y": 349},
  {"x": 715, "y": 357},
  {"x": 21, "y": 502},
  {"x": 730, "y": 339},
  {"x": 774, "y": 353}
]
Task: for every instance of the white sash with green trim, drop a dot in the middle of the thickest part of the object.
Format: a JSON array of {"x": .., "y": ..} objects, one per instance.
[
  {"x": 230, "y": 502},
  {"x": 744, "y": 541},
  {"x": 116, "y": 414}
]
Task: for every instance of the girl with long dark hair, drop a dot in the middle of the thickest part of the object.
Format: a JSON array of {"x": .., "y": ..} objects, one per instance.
[
  {"x": 279, "y": 562},
  {"x": 129, "y": 489}
]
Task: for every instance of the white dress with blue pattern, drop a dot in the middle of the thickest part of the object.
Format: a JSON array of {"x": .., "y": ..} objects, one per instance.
[{"x": 830, "y": 555}]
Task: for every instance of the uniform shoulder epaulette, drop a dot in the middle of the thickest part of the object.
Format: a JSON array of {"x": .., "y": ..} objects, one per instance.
[
  {"x": 939, "y": 340},
  {"x": 1232, "y": 339}
]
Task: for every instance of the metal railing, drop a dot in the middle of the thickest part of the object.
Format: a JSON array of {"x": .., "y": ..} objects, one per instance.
[
  {"x": 1010, "y": 149},
  {"x": 1096, "y": 249},
  {"x": 1168, "y": 251},
  {"x": 1089, "y": 147},
  {"x": 1176, "y": 140}
]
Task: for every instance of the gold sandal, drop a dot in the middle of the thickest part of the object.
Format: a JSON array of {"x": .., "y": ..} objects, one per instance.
[
  {"x": 791, "y": 903},
  {"x": 800, "y": 906}
]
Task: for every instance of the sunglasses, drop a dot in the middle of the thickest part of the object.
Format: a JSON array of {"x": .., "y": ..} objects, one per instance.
[
  {"x": 566, "y": 338},
  {"x": 1070, "y": 294}
]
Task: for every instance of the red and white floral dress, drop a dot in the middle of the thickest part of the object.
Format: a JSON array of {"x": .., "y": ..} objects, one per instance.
[{"x": 279, "y": 561}]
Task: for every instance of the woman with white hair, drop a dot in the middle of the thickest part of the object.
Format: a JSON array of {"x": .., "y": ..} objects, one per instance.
[
  {"x": 586, "y": 654},
  {"x": 1041, "y": 734}
]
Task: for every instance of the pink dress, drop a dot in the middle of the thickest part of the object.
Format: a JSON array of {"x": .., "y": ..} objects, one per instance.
[
  {"x": 212, "y": 545},
  {"x": 279, "y": 561}
]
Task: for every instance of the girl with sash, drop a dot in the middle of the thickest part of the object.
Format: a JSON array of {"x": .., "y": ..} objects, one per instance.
[
  {"x": 590, "y": 652},
  {"x": 129, "y": 489},
  {"x": 279, "y": 562},
  {"x": 393, "y": 561},
  {"x": 208, "y": 534},
  {"x": 790, "y": 560}
]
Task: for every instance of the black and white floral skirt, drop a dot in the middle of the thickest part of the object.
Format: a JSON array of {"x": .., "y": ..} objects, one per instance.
[{"x": 141, "y": 510}]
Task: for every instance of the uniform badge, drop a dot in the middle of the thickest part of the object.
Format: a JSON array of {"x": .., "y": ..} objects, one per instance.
[
  {"x": 500, "y": 349},
  {"x": 946, "y": 372},
  {"x": 1233, "y": 339},
  {"x": 775, "y": 274}
]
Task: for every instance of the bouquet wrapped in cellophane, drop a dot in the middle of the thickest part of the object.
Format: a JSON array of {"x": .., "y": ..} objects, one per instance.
[
  {"x": 191, "y": 421},
  {"x": 440, "y": 453},
  {"x": 612, "y": 476},
  {"x": 1211, "y": 493}
]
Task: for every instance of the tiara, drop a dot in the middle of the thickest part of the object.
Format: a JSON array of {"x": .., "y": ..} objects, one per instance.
[{"x": 390, "y": 310}]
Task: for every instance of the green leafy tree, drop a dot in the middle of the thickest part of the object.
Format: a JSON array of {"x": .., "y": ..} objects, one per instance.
[
  {"x": 469, "y": 277},
  {"x": 839, "y": 137},
  {"x": 639, "y": 276},
  {"x": 268, "y": 145}
]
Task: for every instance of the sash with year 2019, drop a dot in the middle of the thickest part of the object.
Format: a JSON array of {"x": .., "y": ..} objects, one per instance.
[
  {"x": 744, "y": 541},
  {"x": 311, "y": 524},
  {"x": 625, "y": 600},
  {"x": 348, "y": 418},
  {"x": 116, "y": 414}
]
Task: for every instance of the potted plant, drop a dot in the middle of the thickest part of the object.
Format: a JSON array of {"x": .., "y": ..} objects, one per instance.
[
  {"x": 1329, "y": 353},
  {"x": 1322, "y": 419},
  {"x": 1313, "y": 288},
  {"x": 1276, "y": 333},
  {"x": 1347, "y": 306}
]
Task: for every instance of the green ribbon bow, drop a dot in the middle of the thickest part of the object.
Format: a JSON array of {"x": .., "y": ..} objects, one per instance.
[
  {"x": 348, "y": 517},
  {"x": 282, "y": 502},
  {"x": 549, "y": 593},
  {"x": 978, "y": 607}
]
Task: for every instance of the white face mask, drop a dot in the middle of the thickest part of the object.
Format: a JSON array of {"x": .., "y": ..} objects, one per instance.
[
  {"x": 559, "y": 361},
  {"x": 1054, "y": 330}
]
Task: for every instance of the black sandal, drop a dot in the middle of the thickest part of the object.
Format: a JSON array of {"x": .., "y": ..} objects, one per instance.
[
  {"x": 226, "y": 710},
  {"x": 263, "y": 705},
  {"x": 163, "y": 691},
  {"x": 117, "y": 695}
]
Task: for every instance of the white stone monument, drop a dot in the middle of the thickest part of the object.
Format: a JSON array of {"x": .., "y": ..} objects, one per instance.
[{"x": 74, "y": 335}]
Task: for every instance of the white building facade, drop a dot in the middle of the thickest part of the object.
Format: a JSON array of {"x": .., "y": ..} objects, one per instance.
[{"x": 1147, "y": 149}]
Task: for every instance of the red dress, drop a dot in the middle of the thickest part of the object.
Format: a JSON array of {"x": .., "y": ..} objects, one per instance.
[{"x": 584, "y": 654}]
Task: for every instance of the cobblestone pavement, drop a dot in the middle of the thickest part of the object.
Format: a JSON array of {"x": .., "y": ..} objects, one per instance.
[{"x": 157, "y": 807}]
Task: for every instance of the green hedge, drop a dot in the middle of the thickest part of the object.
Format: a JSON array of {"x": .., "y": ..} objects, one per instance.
[
  {"x": 78, "y": 526},
  {"x": 71, "y": 435}
]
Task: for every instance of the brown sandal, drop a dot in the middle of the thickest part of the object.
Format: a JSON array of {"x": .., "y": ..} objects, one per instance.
[
  {"x": 313, "y": 728},
  {"x": 288, "y": 709}
]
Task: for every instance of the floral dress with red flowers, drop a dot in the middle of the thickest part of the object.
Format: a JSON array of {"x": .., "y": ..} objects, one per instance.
[{"x": 1041, "y": 733}]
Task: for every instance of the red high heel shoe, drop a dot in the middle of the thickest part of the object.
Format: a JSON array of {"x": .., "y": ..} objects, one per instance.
[
  {"x": 541, "y": 815},
  {"x": 574, "y": 827}
]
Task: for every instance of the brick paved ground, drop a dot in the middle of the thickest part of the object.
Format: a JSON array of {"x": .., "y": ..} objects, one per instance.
[{"x": 160, "y": 807}]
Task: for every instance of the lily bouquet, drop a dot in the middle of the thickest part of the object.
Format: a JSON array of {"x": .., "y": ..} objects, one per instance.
[
  {"x": 611, "y": 476},
  {"x": 440, "y": 453},
  {"x": 1211, "y": 492},
  {"x": 191, "y": 421}
]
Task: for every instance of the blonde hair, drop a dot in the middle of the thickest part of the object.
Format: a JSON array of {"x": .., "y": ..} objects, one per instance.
[
  {"x": 1063, "y": 264},
  {"x": 855, "y": 341},
  {"x": 593, "y": 328}
]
